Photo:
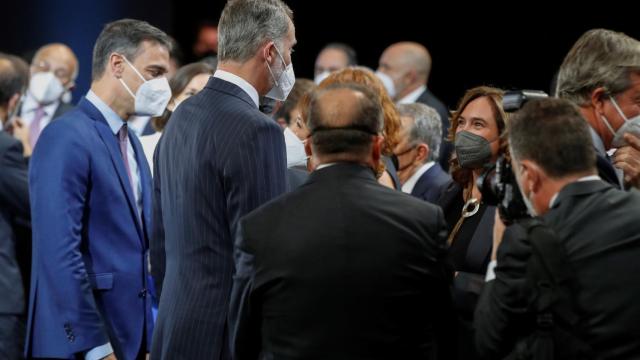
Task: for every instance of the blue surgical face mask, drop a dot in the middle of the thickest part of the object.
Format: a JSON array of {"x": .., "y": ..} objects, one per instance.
[{"x": 630, "y": 126}]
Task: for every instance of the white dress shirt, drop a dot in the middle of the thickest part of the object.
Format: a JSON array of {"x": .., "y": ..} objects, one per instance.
[
  {"x": 138, "y": 123},
  {"x": 28, "y": 111},
  {"x": 242, "y": 83},
  {"x": 408, "y": 186},
  {"x": 413, "y": 96},
  {"x": 149, "y": 143}
]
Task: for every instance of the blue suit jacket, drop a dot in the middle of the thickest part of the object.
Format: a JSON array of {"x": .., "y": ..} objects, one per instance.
[
  {"x": 219, "y": 158},
  {"x": 431, "y": 184},
  {"x": 89, "y": 271}
]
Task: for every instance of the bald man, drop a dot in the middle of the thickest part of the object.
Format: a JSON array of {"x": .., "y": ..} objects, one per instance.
[
  {"x": 356, "y": 271},
  {"x": 54, "y": 70},
  {"x": 404, "y": 68}
]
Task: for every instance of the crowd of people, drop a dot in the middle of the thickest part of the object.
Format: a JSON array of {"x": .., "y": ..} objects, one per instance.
[{"x": 225, "y": 209}]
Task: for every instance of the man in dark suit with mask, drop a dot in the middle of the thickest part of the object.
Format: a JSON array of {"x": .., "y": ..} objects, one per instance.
[
  {"x": 597, "y": 233},
  {"x": 361, "y": 274},
  {"x": 219, "y": 158}
]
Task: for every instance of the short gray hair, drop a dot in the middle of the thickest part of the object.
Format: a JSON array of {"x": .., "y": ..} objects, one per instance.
[
  {"x": 426, "y": 128},
  {"x": 124, "y": 37},
  {"x": 600, "y": 58},
  {"x": 245, "y": 25}
]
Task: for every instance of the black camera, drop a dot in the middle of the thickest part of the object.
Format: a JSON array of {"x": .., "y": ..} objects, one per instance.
[{"x": 498, "y": 183}]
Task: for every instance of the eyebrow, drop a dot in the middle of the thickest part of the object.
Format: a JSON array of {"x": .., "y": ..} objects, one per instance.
[{"x": 475, "y": 118}]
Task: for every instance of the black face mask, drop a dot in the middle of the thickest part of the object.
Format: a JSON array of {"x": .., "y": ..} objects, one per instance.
[
  {"x": 473, "y": 150},
  {"x": 267, "y": 106}
]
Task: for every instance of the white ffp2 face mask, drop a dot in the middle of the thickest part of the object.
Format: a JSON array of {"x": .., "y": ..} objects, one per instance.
[
  {"x": 152, "y": 96},
  {"x": 630, "y": 126},
  {"x": 284, "y": 83},
  {"x": 45, "y": 87},
  {"x": 387, "y": 81},
  {"x": 296, "y": 155}
]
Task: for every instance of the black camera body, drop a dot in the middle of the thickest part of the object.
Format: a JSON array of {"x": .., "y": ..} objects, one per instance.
[{"x": 498, "y": 183}]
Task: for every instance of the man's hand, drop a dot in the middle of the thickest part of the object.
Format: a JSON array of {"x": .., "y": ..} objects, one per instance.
[
  {"x": 627, "y": 158},
  {"x": 498, "y": 232},
  {"x": 21, "y": 132},
  {"x": 111, "y": 356}
]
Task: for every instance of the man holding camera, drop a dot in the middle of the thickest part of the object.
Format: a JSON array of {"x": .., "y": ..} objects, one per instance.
[
  {"x": 601, "y": 74},
  {"x": 591, "y": 274}
]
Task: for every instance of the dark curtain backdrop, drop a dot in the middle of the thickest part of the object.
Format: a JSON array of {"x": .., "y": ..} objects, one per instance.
[{"x": 511, "y": 45}]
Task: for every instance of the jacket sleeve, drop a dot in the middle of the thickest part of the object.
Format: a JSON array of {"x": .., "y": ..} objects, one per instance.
[
  {"x": 14, "y": 186},
  {"x": 502, "y": 309},
  {"x": 59, "y": 183}
]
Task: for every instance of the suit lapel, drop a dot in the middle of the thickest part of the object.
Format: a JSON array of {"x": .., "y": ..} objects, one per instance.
[{"x": 110, "y": 142}]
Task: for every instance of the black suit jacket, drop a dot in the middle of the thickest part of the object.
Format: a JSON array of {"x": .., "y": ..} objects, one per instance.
[
  {"x": 599, "y": 228},
  {"x": 218, "y": 159},
  {"x": 446, "y": 148},
  {"x": 341, "y": 268},
  {"x": 432, "y": 184},
  {"x": 14, "y": 224},
  {"x": 61, "y": 110}
]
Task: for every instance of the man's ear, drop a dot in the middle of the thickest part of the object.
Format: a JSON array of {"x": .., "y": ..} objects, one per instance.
[
  {"x": 116, "y": 65},
  {"x": 13, "y": 102},
  {"x": 307, "y": 147},
  {"x": 376, "y": 148},
  {"x": 268, "y": 51},
  {"x": 423, "y": 152},
  {"x": 597, "y": 99},
  {"x": 532, "y": 176}
]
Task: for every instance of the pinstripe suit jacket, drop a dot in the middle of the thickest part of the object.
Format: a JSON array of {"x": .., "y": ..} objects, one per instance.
[{"x": 219, "y": 158}]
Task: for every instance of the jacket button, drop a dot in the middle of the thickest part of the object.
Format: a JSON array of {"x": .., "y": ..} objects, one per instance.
[{"x": 142, "y": 293}]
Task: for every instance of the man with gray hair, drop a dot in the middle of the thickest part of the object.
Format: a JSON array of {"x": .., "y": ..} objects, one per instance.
[
  {"x": 601, "y": 75},
  {"x": 368, "y": 281},
  {"x": 418, "y": 152},
  {"x": 219, "y": 158}
]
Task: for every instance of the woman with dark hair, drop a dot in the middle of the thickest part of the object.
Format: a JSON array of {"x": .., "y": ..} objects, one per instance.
[
  {"x": 476, "y": 130},
  {"x": 188, "y": 81}
]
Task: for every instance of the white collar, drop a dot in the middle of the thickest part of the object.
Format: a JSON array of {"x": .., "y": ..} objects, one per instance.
[
  {"x": 408, "y": 186},
  {"x": 240, "y": 82},
  {"x": 585, "y": 178},
  {"x": 322, "y": 166},
  {"x": 413, "y": 96},
  {"x": 30, "y": 105}
]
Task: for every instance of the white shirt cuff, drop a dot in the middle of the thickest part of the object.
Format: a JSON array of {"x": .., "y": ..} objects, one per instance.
[
  {"x": 491, "y": 274},
  {"x": 99, "y": 352}
]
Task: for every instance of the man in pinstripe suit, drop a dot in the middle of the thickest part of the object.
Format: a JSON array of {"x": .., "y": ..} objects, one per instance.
[{"x": 219, "y": 158}]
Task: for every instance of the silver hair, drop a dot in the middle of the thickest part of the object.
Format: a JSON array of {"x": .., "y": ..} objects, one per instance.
[
  {"x": 245, "y": 25},
  {"x": 426, "y": 127},
  {"x": 600, "y": 58}
]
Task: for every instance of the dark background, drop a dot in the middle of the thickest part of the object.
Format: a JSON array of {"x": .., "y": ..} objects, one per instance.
[{"x": 515, "y": 45}]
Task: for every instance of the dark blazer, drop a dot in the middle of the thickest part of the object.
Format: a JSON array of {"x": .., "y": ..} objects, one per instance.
[
  {"x": 297, "y": 176},
  {"x": 341, "y": 268},
  {"x": 88, "y": 281},
  {"x": 219, "y": 158},
  {"x": 446, "y": 148},
  {"x": 62, "y": 109},
  {"x": 432, "y": 184},
  {"x": 14, "y": 213},
  {"x": 599, "y": 228}
]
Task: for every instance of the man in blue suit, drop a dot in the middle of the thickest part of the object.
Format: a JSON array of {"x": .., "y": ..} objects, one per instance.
[
  {"x": 91, "y": 207},
  {"x": 418, "y": 169},
  {"x": 219, "y": 159}
]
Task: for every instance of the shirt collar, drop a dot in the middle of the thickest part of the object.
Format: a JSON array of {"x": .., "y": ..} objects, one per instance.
[
  {"x": 322, "y": 166},
  {"x": 114, "y": 121},
  {"x": 413, "y": 96},
  {"x": 408, "y": 186},
  {"x": 30, "y": 105},
  {"x": 240, "y": 82},
  {"x": 585, "y": 178}
]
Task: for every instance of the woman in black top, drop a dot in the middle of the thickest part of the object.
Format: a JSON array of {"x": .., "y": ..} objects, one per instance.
[{"x": 476, "y": 129}]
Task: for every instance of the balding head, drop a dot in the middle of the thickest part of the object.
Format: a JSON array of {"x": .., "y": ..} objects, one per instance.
[
  {"x": 59, "y": 59},
  {"x": 344, "y": 119},
  {"x": 408, "y": 64}
]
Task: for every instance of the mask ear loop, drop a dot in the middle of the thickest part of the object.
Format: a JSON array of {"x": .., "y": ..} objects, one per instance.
[{"x": 137, "y": 73}]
